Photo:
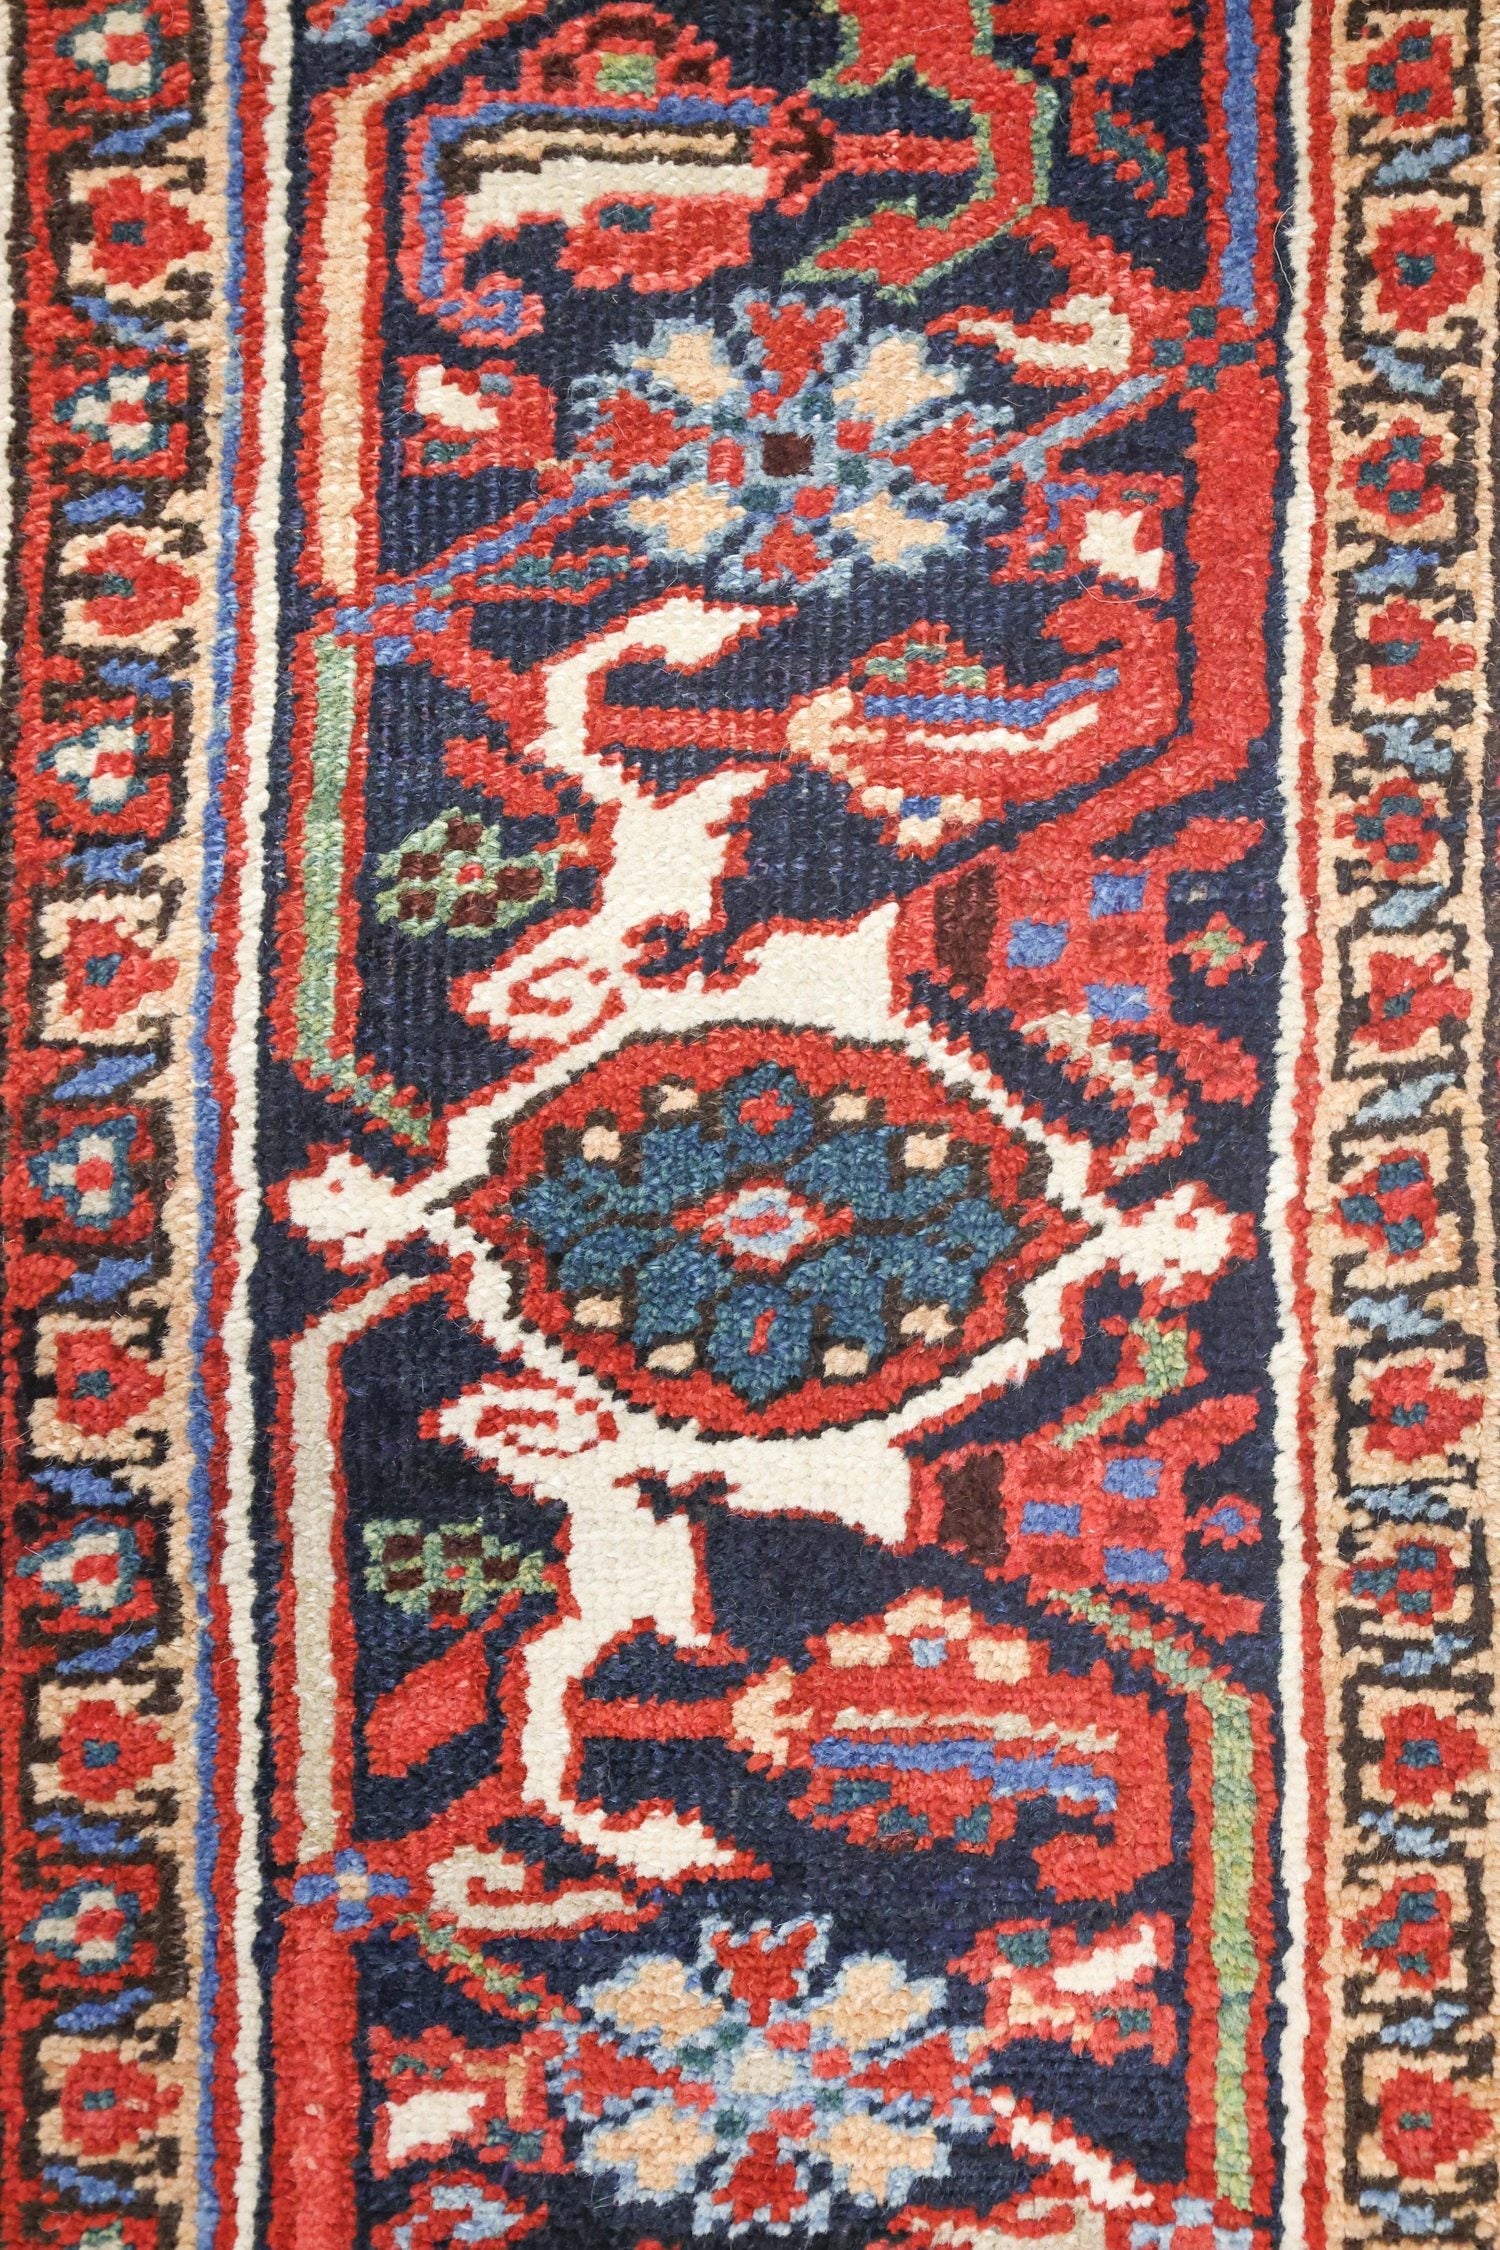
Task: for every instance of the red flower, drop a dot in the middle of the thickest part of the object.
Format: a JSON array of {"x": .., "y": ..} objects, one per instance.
[
  {"x": 100, "y": 1385},
  {"x": 106, "y": 1751},
  {"x": 1424, "y": 2124},
  {"x": 726, "y": 462},
  {"x": 793, "y": 341},
  {"x": 106, "y": 973},
  {"x": 1393, "y": 1205},
  {"x": 601, "y": 2072},
  {"x": 1410, "y": 77},
  {"x": 1426, "y": 1756},
  {"x": 1415, "y": 1584},
  {"x": 1424, "y": 268},
  {"x": 1397, "y": 828},
  {"x": 1408, "y": 997},
  {"x": 108, "y": 2103},
  {"x": 1409, "y": 656},
  {"x": 1231, "y": 1522},
  {"x": 1411, "y": 1415},
  {"x": 140, "y": 232},
  {"x": 1407, "y": 1931},
  {"x": 1219, "y": 950},
  {"x": 136, "y": 591},
  {"x": 1393, "y": 478},
  {"x": 956, "y": 458}
]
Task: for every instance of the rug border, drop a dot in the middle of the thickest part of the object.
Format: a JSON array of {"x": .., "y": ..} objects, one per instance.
[
  {"x": 1358, "y": 2182},
  {"x": 243, "y": 71}
]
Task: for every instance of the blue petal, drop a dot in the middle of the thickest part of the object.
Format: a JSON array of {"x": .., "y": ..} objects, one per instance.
[
  {"x": 780, "y": 1362},
  {"x": 853, "y": 1170},
  {"x": 852, "y": 1292},
  {"x": 979, "y": 1227},
  {"x": 679, "y": 1167},
  {"x": 673, "y": 1288},
  {"x": 605, "y": 1257}
]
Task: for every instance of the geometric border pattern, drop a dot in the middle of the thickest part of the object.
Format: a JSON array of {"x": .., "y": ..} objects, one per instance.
[
  {"x": 109, "y": 540},
  {"x": 122, "y": 426},
  {"x": 1396, "y": 956}
]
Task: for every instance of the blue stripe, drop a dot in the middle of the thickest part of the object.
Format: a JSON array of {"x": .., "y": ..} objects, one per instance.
[
  {"x": 207, "y": 1136},
  {"x": 989, "y": 710},
  {"x": 1242, "y": 60},
  {"x": 1040, "y": 1773}
]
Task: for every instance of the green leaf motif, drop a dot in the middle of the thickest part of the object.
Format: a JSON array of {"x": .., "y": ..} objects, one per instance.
[{"x": 453, "y": 875}]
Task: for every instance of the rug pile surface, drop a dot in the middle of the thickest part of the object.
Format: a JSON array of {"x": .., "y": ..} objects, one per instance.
[{"x": 750, "y": 1299}]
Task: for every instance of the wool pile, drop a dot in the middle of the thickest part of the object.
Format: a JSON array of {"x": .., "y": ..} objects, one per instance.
[{"x": 750, "y": 1332}]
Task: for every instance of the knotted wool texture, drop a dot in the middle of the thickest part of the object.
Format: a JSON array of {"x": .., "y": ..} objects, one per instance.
[{"x": 750, "y": 1330}]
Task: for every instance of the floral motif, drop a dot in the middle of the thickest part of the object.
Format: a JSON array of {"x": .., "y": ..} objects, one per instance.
[
  {"x": 930, "y": 740},
  {"x": 135, "y": 593},
  {"x": 107, "y": 1753},
  {"x": 1394, "y": 476},
  {"x": 88, "y": 1172},
  {"x": 1426, "y": 2126},
  {"x": 1409, "y": 78},
  {"x": 109, "y": 2103},
  {"x": 764, "y": 2082},
  {"x": 619, "y": 88},
  {"x": 350, "y": 1885},
  {"x": 448, "y": 1574},
  {"x": 125, "y": 416},
  {"x": 1408, "y": 998},
  {"x": 1408, "y": 1931},
  {"x": 1397, "y": 829},
  {"x": 1230, "y": 1522},
  {"x": 927, "y": 1725},
  {"x": 468, "y": 419},
  {"x": 122, "y": 49},
  {"x": 1393, "y": 1205},
  {"x": 101, "y": 765},
  {"x": 139, "y": 232},
  {"x": 106, "y": 971},
  {"x": 1408, "y": 655},
  {"x": 454, "y": 875},
  {"x": 1092, "y": 1993},
  {"x": 1413, "y": 1584},
  {"x": 438, "y": 2092},
  {"x": 814, "y": 1229},
  {"x": 1427, "y": 1756},
  {"x": 1412, "y": 1415},
  {"x": 1425, "y": 268},
  {"x": 1219, "y": 950},
  {"x": 101, "y": 1385},
  {"x": 91, "y": 1572},
  {"x": 792, "y": 446},
  {"x": 92, "y": 1926}
]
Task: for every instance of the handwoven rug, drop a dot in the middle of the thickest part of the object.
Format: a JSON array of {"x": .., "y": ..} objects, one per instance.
[{"x": 751, "y": 1309}]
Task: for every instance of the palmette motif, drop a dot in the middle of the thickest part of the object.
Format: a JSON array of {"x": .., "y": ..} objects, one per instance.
[{"x": 751, "y": 1274}]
